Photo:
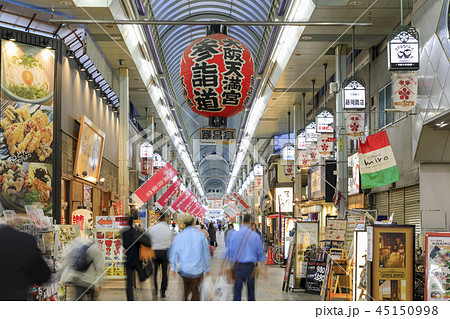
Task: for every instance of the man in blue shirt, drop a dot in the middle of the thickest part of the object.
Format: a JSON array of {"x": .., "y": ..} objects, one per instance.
[
  {"x": 190, "y": 251},
  {"x": 245, "y": 250}
]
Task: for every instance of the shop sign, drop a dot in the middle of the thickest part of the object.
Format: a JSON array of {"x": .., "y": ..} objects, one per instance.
[
  {"x": 84, "y": 219},
  {"x": 284, "y": 199},
  {"x": 317, "y": 182},
  {"x": 185, "y": 205},
  {"x": 183, "y": 198},
  {"x": 353, "y": 183},
  {"x": 303, "y": 159},
  {"x": 195, "y": 209},
  {"x": 164, "y": 199},
  {"x": 154, "y": 184},
  {"x": 288, "y": 152},
  {"x": 324, "y": 122},
  {"x": 325, "y": 144},
  {"x": 404, "y": 90},
  {"x": 259, "y": 180},
  {"x": 437, "y": 267},
  {"x": 215, "y": 204},
  {"x": 110, "y": 242},
  {"x": 354, "y": 93},
  {"x": 217, "y": 75},
  {"x": 241, "y": 201},
  {"x": 313, "y": 154},
  {"x": 403, "y": 49},
  {"x": 307, "y": 238},
  {"x": 146, "y": 150},
  {"x": 301, "y": 140},
  {"x": 217, "y": 136},
  {"x": 311, "y": 134},
  {"x": 354, "y": 125},
  {"x": 121, "y": 221},
  {"x": 258, "y": 170},
  {"x": 104, "y": 222},
  {"x": 289, "y": 168}
]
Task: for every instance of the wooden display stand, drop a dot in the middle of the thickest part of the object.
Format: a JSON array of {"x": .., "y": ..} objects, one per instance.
[{"x": 339, "y": 281}]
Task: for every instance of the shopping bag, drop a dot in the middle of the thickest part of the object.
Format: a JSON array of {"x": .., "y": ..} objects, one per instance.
[
  {"x": 145, "y": 271},
  {"x": 207, "y": 289},
  {"x": 211, "y": 249},
  {"x": 222, "y": 289}
]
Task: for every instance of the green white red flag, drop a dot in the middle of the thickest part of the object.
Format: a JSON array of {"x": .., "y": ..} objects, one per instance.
[{"x": 377, "y": 161}]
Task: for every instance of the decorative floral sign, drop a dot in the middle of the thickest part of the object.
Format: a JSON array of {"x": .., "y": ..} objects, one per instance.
[
  {"x": 354, "y": 125},
  {"x": 404, "y": 88},
  {"x": 303, "y": 159},
  {"x": 313, "y": 154},
  {"x": 325, "y": 144}
]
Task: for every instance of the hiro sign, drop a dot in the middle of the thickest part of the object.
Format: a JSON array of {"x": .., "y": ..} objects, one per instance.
[{"x": 217, "y": 75}]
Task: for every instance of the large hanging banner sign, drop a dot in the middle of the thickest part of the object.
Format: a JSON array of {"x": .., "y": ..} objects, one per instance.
[
  {"x": 437, "y": 267},
  {"x": 354, "y": 125},
  {"x": 195, "y": 208},
  {"x": 377, "y": 161},
  {"x": 325, "y": 144},
  {"x": 313, "y": 154},
  {"x": 404, "y": 90},
  {"x": 181, "y": 200},
  {"x": 164, "y": 199},
  {"x": 241, "y": 201},
  {"x": 188, "y": 203},
  {"x": 154, "y": 184}
]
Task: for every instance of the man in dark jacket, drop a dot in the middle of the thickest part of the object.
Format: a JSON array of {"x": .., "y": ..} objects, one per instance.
[
  {"x": 132, "y": 241},
  {"x": 21, "y": 264},
  {"x": 212, "y": 234}
]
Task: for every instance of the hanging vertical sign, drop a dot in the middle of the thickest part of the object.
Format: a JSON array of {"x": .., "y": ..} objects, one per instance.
[
  {"x": 154, "y": 184},
  {"x": 258, "y": 170},
  {"x": 311, "y": 133},
  {"x": 288, "y": 152},
  {"x": 146, "y": 152},
  {"x": 354, "y": 125},
  {"x": 185, "y": 205},
  {"x": 404, "y": 90},
  {"x": 313, "y": 154},
  {"x": 303, "y": 159},
  {"x": 301, "y": 140},
  {"x": 403, "y": 49},
  {"x": 324, "y": 122},
  {"x": 241, "y": 201},
  {"x": 354, "y": 93},
  {"x": 179, "y": 201},
  {"x": 164, "y": 199},
  {"x": 325, "y": 144},
  {"x": 288, "y": 168},
  {"x": 259, "y": 180}
]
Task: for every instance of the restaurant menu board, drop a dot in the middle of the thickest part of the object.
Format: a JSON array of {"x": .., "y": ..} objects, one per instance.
[
  {"x": 306, "y": 239},
  {"x": 315, "y": 272},
  {"x": 65, "y": 234},
  {"x": 335, "y": 229},
  {"x": 110, "y": 241},
  {"x": 26, "y": 121},
  {"x": 393, "y": 263},
  {"x": 355, "y": 221},
  {"x": 437, "y": 266}
]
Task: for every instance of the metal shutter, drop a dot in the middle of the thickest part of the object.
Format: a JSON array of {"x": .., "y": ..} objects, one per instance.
[
  {"x": 412, "y": 207},
  {"x": 381, "y": 203},
  {"x": 397, "y": 205}
]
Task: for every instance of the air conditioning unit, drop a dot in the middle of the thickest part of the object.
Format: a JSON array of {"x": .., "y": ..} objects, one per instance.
[{"x": 334, "y": 87}]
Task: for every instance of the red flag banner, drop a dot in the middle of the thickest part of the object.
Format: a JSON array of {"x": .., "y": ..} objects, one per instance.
[
  {"x": 188, "y": 202},
  {"x": 164, "y": 199},
  {"x": 195, "y": 208},
  {"x": 154, "y": 184},
  {"x": 241, "y": 201},
  {"x": 180, "y": 200}
]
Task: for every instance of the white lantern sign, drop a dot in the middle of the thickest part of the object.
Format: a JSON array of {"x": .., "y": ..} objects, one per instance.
[
  {"x": 354, "y": 125},
  {"x": 311, "y": 133},
  {"x": 354, "y": 93},
  {"x": 324, "y": 122},
  {"x": 301, "y": 140},
  {"x": 313, "y": 154}
]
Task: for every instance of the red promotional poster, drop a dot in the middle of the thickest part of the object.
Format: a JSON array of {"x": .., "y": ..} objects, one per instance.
[
  {"x": 154, "y": 184},
  {"x": 193, "y": 210},
  {"x": 241, "y": 201},
  {"x": 180, "y": 201},
  {"x": 164, "y": 199},
  {"x": 188, "y": 203}
]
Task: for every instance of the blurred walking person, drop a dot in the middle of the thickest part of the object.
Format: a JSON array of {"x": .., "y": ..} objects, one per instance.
[
  {"x": 21, "y": 264},
  {"x": 244, "y": 251},
  {"x": 191, "y": 255},
  {"x": 161, "y": 239},
  {"x": 132, "y": 240},
  {"x": 212, "y": 234},
  {"x": 228, "y": 234}
]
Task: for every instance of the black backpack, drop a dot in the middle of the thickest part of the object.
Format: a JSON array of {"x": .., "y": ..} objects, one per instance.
[{"x": 81, "y": 260}]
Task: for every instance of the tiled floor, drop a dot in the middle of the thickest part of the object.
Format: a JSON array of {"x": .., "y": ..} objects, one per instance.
[{"x": 266, "y": 290}]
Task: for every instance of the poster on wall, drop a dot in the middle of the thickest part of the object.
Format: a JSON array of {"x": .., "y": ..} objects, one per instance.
[
  {"x": 437, "y": 267},
  {"x": 26, "y": 120},
  {"x": 91, "y": 141},
  {"x": 393, "y": 263},
  {"x": 284, "y": 199},
  {"x": 110, "y": 241},
  {"x": 307, "y": 238}
]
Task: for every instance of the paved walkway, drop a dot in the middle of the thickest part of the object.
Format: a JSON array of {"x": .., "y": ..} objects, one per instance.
[{"x": 266, "y": 290}]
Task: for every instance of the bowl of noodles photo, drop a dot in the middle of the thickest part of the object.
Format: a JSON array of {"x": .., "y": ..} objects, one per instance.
[{"x": 27, "y": 73}]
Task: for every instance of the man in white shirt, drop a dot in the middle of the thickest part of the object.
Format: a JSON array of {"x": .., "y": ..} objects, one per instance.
[{"x": 161, "y": 239}]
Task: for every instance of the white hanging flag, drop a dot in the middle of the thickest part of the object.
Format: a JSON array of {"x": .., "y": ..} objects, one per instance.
[
  {"x": 303, "y": 159},
  {"x": 325, "y": 144},
  {"x": 404, "y": 90},
  {"x": 354, "y": 125},
  {"x": 313, "y": 154}
]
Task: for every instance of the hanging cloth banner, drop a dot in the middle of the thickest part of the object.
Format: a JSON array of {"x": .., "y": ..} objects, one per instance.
[
  {"x": 377, "y": 162},
  {"x": 259, "y": 180},
  {"x": 154, "y": 184},
  {"x": 302, "y": 159},
  {"x": 325, "y": 144},
  {"x": 233, "y": 208},
  {"x": 404, "y": 90},
  {"x": 313, "y": 154},
  {"x": 194, "y": 210},
  {"x": 179, "y": 201},
  {"x": 228, "y": 211},
  {"x": 164, "y": 199},
  {"x": 354, "y": 125},
  {"x": 188, "y": 202},
  {"x": 241, "y": 201}
]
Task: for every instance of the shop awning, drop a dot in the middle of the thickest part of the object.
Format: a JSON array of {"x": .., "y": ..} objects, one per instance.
[{"x": 276, "y": 216}]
